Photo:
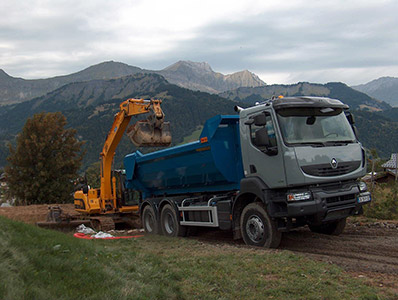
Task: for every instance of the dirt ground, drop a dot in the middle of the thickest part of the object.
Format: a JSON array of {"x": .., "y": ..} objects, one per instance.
[
  {"x": 367, "y": 250},
  {"x": 33, "y": 213}
]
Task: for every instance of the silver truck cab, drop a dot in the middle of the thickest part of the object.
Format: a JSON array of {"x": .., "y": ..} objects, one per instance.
[{"x": 301, "y": 157}]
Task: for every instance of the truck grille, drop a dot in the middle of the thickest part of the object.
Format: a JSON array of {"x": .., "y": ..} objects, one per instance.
[
  {"x": 325, "y": 170},
  {"x": 340, "y": 200}
]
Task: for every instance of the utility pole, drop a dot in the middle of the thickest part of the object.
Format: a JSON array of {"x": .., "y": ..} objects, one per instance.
[
  {"x": 395, "y": 183},
  {"x": 372, "y": 174}
]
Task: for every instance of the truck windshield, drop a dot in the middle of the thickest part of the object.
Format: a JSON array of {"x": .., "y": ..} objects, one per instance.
[{"x": 322, "y": 126}]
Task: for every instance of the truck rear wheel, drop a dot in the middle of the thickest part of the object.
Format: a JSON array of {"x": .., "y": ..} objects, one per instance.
[
  {"x": 149, "y": 221},
  {"x": 169, "y": 222},
  {"x": 334, "y": 228},
  {"x": 257, "y": 227}
]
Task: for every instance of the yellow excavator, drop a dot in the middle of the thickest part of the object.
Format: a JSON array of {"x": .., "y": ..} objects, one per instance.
[{"x": 108, "y": 205}]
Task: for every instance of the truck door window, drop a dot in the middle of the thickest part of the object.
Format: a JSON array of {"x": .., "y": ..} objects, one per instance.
[{"x": 262, "y": 133}]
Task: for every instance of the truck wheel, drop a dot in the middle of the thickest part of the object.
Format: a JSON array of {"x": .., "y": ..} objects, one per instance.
[
  {"x": 334, "y": 228},
  {"x": 149, "y": 220},
  {"x": 169, "y": 222},
  {"x": 257, "y": 228}
]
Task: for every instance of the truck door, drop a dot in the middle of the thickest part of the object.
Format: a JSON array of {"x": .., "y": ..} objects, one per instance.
[{"x": 261, "y": 150}]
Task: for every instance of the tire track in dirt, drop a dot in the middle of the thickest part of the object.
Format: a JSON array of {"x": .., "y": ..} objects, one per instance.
[{"x": 359, "y": 248}]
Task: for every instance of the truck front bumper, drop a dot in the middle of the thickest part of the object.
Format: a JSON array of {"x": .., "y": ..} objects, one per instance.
[{"x": 329, "y": 203}]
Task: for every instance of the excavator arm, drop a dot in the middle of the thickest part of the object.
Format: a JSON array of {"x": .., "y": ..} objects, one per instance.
[{"x": 151, "y": 132}]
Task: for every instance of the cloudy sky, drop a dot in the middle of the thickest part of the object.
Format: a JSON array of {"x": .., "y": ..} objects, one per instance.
[{"x": 281, "y": 41}]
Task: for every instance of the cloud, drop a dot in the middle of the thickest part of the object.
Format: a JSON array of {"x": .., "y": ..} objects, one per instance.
[{"x": 351, "y": 41}]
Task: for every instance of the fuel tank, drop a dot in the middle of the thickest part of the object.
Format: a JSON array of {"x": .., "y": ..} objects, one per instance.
[{"x": 211, "y": 164}]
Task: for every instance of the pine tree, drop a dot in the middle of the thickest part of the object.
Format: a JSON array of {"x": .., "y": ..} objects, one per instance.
[{"x": 45, "y": 161}]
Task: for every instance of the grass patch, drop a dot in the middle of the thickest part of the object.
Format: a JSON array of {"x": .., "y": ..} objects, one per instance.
[
  {"x": 42, "y": 264},
  {"x": 384, "y": 202}
]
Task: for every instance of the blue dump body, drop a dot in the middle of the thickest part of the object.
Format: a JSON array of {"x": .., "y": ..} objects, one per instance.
[{"x": 211, "y": 164}]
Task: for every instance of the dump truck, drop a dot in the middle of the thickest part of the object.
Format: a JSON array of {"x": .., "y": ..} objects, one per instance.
[{"x": 281, "y": 164}]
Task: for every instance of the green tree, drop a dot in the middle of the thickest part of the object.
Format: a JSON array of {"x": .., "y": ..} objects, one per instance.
[
  {"x": 93, "y": 175},
  {"x": 45, "y": 161}
]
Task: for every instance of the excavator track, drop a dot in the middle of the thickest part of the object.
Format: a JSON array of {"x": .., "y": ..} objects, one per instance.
[{"x": 102, "y": 223}]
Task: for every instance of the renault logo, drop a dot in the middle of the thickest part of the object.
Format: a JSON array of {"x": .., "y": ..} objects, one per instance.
[{"x": 333, "y": 163}]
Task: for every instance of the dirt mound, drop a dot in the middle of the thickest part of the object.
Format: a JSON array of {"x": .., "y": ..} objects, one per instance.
[{"x": 33, "y": 213}]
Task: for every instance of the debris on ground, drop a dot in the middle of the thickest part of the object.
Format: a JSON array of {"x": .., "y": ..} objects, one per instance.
[
  {"x": 84, "y": 232},
  {"x": 102, "y": 235},
  {"x": 83, "y": 229}
]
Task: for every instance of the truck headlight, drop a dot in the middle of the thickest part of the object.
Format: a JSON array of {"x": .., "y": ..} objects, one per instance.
[
  {"x": 362, "y": 187},
  {"x": 298, "y": 196}
]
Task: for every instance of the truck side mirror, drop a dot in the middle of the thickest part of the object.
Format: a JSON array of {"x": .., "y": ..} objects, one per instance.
[
  {"x": 260, "y": 120},
  {"x": 350, "y": 118},
  {"x": 249, "y": 122},
  {"x": 355, "y": 130},
  {"x": 263, "y": 142},
  {"x": 262, "y": 139}
]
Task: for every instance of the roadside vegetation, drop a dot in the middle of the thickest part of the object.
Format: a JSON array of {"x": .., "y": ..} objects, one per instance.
[
  {"x": 45, "y": 161},
  {"x": 384, "y": 203},
  {"x": 43, "y": 264}
]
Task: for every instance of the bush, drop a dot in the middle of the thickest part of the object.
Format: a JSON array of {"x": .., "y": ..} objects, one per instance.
[{"x": 384, "y": 202}]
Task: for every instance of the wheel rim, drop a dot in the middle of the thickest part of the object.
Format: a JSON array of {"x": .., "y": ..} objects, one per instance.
[
  {"x": 148, "y": 220},
  {"x": 169, "y": 225},
  {"x": 255, "y": 228}
]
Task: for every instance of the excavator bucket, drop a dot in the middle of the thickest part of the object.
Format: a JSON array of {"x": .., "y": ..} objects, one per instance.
[{"x": 147, "y": 134}]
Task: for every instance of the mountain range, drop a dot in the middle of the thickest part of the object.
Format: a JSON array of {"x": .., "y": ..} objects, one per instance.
[
  {"x": 90, "y": 98},
  {"x": 337, "y": 90},
  {"x": 192, "y": 75},
  {"x": 384, "y": 88},
  {"x": 90, "y": 108}
]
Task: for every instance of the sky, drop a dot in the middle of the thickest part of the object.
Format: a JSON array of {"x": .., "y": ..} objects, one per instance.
[{"x": 281, "y": 41}]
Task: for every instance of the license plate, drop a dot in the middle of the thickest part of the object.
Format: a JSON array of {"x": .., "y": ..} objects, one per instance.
[{"x": 364, "y": 198}]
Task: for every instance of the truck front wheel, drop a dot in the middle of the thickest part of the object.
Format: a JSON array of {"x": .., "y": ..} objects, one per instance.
[
  {"x": 169, "y": 222},
  {"x": 149, "y": 220},
  {"x": 334, "y": 228},
  {"x": 257, "y": 227}
]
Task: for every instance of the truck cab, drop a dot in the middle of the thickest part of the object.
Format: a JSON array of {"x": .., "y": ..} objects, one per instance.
[{"x": 301, "y": 157}]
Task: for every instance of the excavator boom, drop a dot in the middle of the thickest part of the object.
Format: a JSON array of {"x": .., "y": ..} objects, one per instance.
[{"x": 152, "y": 132}]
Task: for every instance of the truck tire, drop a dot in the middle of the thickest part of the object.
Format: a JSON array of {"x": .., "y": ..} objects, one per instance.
[
  {"x": 149, "y": 221},
  {"x": 169, "y": 223},
  {"x": 257, "y": 227},
  {"x": 334, "y": 228}
]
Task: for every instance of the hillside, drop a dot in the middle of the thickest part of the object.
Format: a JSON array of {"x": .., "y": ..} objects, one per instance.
[
  {"x": 378, "y": 132},
  {"x": 338, "y": 90},
  {"x": 191, "y": 75},
  {"x": 16, "y": 90},
  {"x": 384, "y": 88},
  {"x": 90, "y": 107}
]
